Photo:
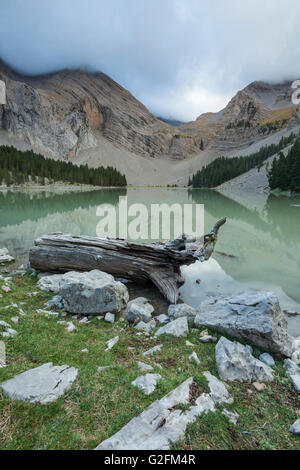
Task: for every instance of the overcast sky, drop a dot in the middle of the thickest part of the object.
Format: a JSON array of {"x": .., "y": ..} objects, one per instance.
[{"x": 179, "y": 57}]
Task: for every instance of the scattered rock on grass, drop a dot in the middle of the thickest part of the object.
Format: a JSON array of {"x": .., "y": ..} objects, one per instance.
[
  {"x": 2, "y": 354},
  {"x": 235, "y": 362},
  {"x": 295, "y": 428},
  {"x": 233, "y": 416},
  {"x": 252, "y": 316},
  {"x": 5, "y": 257},
  {"x": 146, "y": 383},
  {"x": 139, "y": 309},
  {"x": 43, "y": 384},
  {"x": 109, "y": 317},
  {"x": 70, "y": 327},
  {"x": 144, "y": 367},
  {"x": 176, "y": 328},
  {"x": 162, "y": 423},
  {"x": 146, "y": 327},
  {"x": 163, "y": 319},
  {"x": 259, "y": 387},
  {"x": 194, "y": 357},
  {"x": 111, "y": 343},
  {"x": 266, "y": 358},
  {"x": 55, "y": 303},
  {"x": 208, "y": 339},
  {"x": 153, "y": 350},
  {"x": 182, "y": 310}
]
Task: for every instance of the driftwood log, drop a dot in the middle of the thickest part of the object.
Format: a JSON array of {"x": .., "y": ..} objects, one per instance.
[{"x": 156, "y": 262}]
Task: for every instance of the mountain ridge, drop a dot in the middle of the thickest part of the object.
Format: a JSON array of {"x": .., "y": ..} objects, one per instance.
[{"x": 76, "y": 115}]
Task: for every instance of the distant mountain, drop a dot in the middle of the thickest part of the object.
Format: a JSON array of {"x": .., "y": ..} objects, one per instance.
[
  {"x": 87, "y": 117},
  {"x": 171, "y": 122}
]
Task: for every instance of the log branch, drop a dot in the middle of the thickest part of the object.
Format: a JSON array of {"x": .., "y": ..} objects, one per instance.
[{"x": 157, "y": 262}]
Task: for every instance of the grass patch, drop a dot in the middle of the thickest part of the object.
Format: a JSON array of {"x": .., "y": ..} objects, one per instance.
[{"x": 100, "y": 403}]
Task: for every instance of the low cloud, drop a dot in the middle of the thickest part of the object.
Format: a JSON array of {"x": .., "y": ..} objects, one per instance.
[{"x": 179, "y": 57}]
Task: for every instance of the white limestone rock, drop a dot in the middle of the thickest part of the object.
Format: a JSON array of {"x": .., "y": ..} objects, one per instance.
[
  {"x": 252, "y": 316},
  {"x": 111, "y": 343},
  {"x": 146, "y": 383},
  {"x": 2, "y": 354},
  {"x": 232, "y": 416},
  {"x": 295, "y": 428},
  {"x": 5, "y": 257},
  {"x": 152, "y": 350},
  {"x": 195, "y": 358},
  {"x": 182, "y": 310},
  {"x": 266, "y": 358},
  {"x": 43, "y": 384},
  {"x": 109, "y": 317},
  {"x": 139, "y": 309},
  {"x": 175, "y": 328},
  {"x": 162, "y": 423},
  {"x": 144, "y": 367},
  {"x": 235, "y": 362}
]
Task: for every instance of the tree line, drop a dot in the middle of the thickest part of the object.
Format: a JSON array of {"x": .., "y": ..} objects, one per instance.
[
  {"x": 224, "y": 169},
  {"x": 18, "y": 167},
  {"x": 285, "y": 171}
]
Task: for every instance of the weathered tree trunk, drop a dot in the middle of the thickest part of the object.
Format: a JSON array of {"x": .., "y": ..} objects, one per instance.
[{"x": 157, "y": 262}]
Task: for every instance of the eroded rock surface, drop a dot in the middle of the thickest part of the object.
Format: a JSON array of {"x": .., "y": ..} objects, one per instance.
[
  {"x": 163, "y": 423},
  {"x": 43, "y": 384},
  {"x": 235, "y": 362},
  {"x": 253, "y": 316}
]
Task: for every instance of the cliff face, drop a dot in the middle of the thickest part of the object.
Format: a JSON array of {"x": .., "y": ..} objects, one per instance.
[{"x": 64, "y": 113}]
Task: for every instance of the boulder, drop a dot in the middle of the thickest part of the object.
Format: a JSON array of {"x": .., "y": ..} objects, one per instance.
[
  {"x": 43, "y": 384},
  {"x": 5, "y": 256},
  {"x": 146, "y": 383},
  {"x": 295, "y": 428},
  {"x": 176, "y": 328},
  {"x": 235, "y": 362},
  {"x": 139, "y": 309},
  {"x": 92, "y": 293},
  {"x": 163, "y": 423},
  {"x": 182, "y": 310},
  {"x": 252, "y": 316}
]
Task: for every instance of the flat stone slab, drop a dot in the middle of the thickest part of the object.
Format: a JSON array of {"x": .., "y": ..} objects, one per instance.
[
  {"x": 163, "y": 422},
  {"x": 43, "y": 384}
]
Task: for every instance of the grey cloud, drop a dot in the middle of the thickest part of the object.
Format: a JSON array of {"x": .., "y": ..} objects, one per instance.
[{"x": 180, "y": 57}]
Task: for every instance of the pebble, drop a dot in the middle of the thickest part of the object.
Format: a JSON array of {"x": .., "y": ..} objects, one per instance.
[
  {"x": 109, "y": 317},
  {"x": 259, "y": 387},
  {"x": 195, "y": 358}
]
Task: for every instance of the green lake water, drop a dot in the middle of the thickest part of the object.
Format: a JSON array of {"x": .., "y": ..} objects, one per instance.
[{"x": 262, "y": 235}]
